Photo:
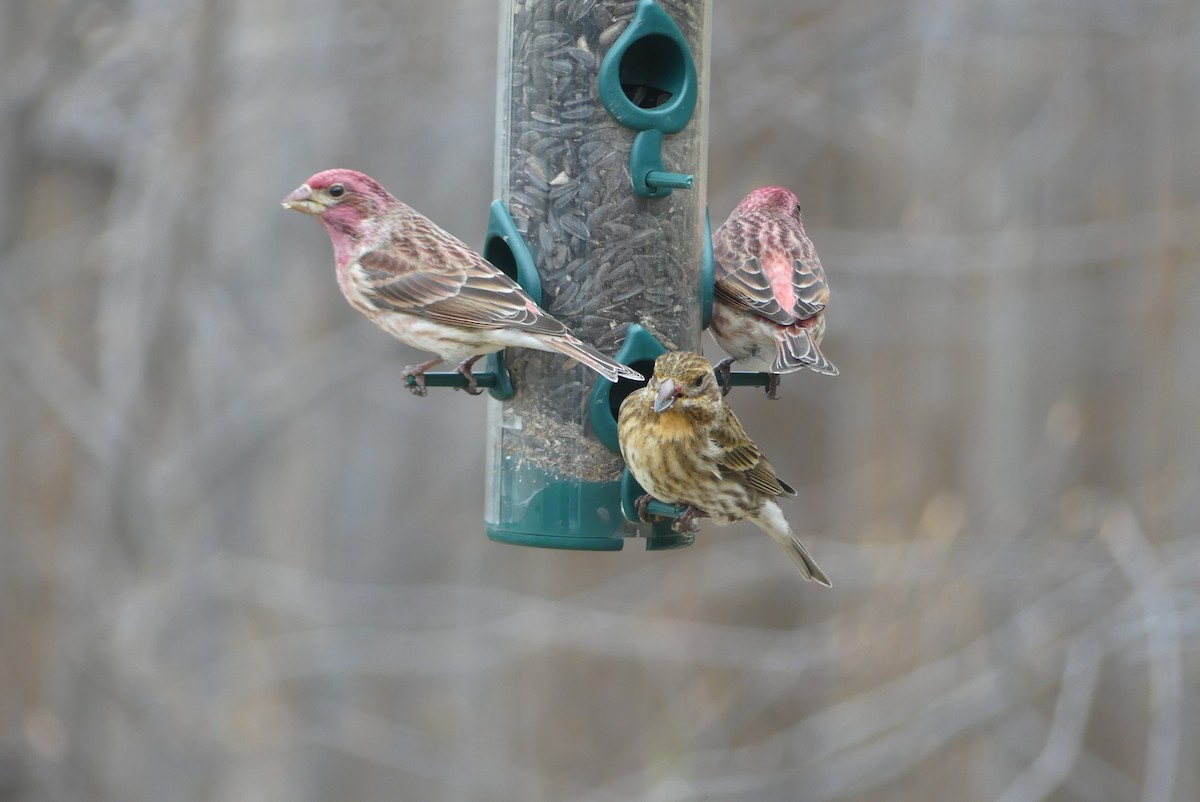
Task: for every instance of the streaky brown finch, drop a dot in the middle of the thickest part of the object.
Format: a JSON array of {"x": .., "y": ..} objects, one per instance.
[
  {"x": 685, "y": 446},
  {"x": 770, "y": 295},
  {"x": 427, "y": 288}
]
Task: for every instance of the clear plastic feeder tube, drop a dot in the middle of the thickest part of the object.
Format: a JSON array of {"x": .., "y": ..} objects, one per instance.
[{"x": 606, "y": 256}]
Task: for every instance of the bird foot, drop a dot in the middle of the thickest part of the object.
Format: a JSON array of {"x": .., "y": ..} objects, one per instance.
[
  {"x": 417, "y": 386},
  {"x": 640, "y": 504},
  {"x": 773, "y": 386},
  {"x": 723, "y": 369},
  {"x": 417, "y": 374},
  {"x": 464, "y": 369},
  {"x": 686, "y": 522}
]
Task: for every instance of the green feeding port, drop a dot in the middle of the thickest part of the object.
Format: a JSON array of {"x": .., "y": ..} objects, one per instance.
[
  {"x": 648, "y": 82},
  {"x": 505, "y": 248},
  {"x": 653, "y": 70},
  {"x": 639, "y": 351}
]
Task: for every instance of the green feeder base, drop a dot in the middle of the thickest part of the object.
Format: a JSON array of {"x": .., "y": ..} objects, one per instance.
[{"x": 579, "y": 515}]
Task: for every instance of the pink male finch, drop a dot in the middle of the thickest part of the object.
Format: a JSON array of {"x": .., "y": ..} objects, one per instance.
[
  {"x": 770, "y": 295},
  {"x": 685, "y": 446},
  {"x": 424, "y": 286}
]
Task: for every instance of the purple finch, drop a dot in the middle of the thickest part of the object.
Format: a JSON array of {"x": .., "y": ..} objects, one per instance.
[
  {"x": 685, "y": 446},
  {"x": 770, "y": 295},
  {"x": 424, "y": 286}
]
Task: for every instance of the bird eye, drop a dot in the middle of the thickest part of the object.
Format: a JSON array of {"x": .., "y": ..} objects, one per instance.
[
  {"x": 698, "y": 381},
  {"x": 337, "y": 191}
]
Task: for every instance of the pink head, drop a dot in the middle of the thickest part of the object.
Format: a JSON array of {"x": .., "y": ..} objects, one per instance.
[
  {"x": 772, "y": 199},
  {"x": 345, "y": 201}
]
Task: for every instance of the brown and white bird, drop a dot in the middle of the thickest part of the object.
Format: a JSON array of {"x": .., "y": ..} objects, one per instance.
[
  {"x": 770, "y": 294},
  {"x": 684, "y": 445},
  {"x": 426, "y": 287}
]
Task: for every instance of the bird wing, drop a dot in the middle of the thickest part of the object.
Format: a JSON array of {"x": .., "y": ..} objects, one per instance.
[
  {"x": 808, "y": 277},
  {"x": 784, "y": 284},
  {"x": 740, "y": 458},
  {"x": 447, "y": 282}
]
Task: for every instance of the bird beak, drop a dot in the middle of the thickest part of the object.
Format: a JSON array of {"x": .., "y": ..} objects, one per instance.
[
  {"x": 301, "y": 200},
  {"x": 667, "y": 393}
]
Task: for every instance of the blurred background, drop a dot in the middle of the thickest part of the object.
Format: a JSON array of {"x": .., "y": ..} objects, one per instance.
[{"x": 238, "y": 561}]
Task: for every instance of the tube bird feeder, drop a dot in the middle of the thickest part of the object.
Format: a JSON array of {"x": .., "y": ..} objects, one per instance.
[{"x": 601, "y": 158}]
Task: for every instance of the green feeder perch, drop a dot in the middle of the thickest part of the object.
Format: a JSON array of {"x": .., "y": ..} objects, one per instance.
[{"x": 586, "y": 93}]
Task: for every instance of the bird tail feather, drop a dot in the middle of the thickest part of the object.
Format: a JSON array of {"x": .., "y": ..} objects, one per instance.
[
  {"x": 605, "y": 366},
  {"x": 771, "y": 521},
  {"x": 796, "y": 349}
]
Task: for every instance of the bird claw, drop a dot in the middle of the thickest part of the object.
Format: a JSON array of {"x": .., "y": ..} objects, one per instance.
[
  {"x": 417, "y": 386},
  {"x": 464, "y": 370},
  {"x": 417, "y": 374},
  {"x": 723, "y": 369},
  {"x": 472, "y": 387},
  {"x": 773, "y": 386},
  {"x": 686, "y": 522},
  {"x": 640, "y": 504}
]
